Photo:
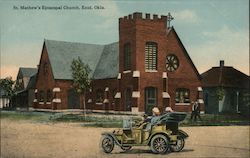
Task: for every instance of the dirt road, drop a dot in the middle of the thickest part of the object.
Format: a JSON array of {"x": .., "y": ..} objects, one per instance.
[{"x": 22, "y": 139}]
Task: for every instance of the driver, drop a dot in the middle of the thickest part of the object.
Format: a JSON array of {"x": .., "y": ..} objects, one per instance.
[{"x": 156, "y": 114}]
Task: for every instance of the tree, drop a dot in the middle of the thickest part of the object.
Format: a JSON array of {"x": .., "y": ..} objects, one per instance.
[
  {"x": 7, "y": 85},
  {"x": 81, "y": 78}
]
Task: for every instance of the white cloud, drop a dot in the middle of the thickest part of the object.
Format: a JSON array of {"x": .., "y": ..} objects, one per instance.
[
  {"x": 186, "y": 15},
  {"x": 110, "y": 14},
  {"x": 224, "y": 44}
]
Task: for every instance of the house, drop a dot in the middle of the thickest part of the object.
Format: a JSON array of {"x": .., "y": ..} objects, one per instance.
[
  {"x": 25, "y": 84},
  {"x": 148, "y": 67},
  {"x": 4, "y": 99},
  {"x": 225, "y": 90}
]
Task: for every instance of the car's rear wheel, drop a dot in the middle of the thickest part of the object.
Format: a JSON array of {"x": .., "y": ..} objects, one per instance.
[
  {"x": 126, "y": 148},
  {"x": 178, "y": 146},
  {"x": 107, "y": 144},
  {"x": 159, "y": 144}
]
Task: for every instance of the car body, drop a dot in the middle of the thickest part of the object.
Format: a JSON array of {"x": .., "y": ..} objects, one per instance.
[{"x": 160, "y": 133}]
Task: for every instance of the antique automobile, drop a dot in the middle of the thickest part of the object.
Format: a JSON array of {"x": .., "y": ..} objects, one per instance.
[{"x": 159, "y": 133}]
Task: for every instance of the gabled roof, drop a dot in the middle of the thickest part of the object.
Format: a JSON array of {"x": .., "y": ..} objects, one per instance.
[
  {"x": 26, "y": 71},
  {"x": 108, "y": 66},
  {"x": 61, "y": 55},
  {"x": 185, "y": 51},
  {"x": 32, "y": 82},
  {"x": 225, "y": 76}
]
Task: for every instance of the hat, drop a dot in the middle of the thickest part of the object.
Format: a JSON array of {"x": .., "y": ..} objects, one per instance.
[
  {"x": 168, "y": 109},
  {"x": 156, "y": 110}
]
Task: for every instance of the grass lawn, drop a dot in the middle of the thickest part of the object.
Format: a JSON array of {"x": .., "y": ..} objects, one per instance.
[{"x": 114, "y": 122}]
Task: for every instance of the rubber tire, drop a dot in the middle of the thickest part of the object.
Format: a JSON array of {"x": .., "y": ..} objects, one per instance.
[
  {"x": 157, "y": 138},
  {"x": 111, "y": 143},
  {"x": 173, "y": 147},
  {"x": 126, "y": 148}
]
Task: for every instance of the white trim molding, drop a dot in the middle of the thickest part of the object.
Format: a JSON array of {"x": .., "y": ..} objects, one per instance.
[
  {"x": 118, "y": 95},
  {"x": 134, "y": 110},
  {"x": 199, "y": 89},
  {"x": 119, "y": 76},
  {"x": 165, "y": 95},
  {"x": 106, "y": 89},
  {"x": 106, "y": 101},
  {"x": 126, "y": 71},
  {"x": 56, "y": 89},
  {"x": 136, "y": 94},
  {"x": 90, "y": 101},
  {"x": 186, "y": 104},
  {"x": 151, "y": 71},
  {"x": 98, "y": 103},
  {"x": 56, "y": 100},
  {"x": 164, "y": 75},
  {"x": 136, "y": 73},
  {"x": 35, "y": 100},
  {"x": 201, "y": 101}
]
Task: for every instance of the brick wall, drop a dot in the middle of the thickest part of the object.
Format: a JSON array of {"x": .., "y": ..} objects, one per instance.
[{"x": 137, "y": 30}]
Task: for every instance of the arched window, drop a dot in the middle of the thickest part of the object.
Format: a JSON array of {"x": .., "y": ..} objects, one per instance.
[
  {"x": 151, "y": 56},
  {"x": 127, "y": 56},
  {"x": 99, "y": 96},
  {"x": 41, "y": 96},
  {"x": 49, "y": 95},
  {"x": 45, "y": 68},
  {"x": 182, "y": 95},
  {"x": 113, "y": 94}
]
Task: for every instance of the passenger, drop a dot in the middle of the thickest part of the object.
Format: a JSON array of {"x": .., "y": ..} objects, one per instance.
[{"x": 168, "y": 109}]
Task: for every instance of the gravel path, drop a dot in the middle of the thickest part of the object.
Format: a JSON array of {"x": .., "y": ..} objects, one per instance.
[{"x": 23, "y": 139}]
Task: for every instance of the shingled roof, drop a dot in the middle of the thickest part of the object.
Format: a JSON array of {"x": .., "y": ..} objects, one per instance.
[
  {"x": 102, "y": 59},
  {"x": 225, "y": 76},
  {"x": 32, "y": 82},
  {"x": 108, "y": 66},
  {"x": 27, "y": 71}
]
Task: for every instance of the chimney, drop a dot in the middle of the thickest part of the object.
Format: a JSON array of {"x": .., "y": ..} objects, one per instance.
[{"x": 221, "y": 63}]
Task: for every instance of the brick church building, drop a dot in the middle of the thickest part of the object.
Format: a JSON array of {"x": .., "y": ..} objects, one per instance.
[{"x": 148, "y": 67}]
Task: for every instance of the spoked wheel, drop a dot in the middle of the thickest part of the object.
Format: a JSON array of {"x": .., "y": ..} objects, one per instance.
[
  {"x": 126, "y": 148},
  {"x": 107, "y": 144},
  {"x": 159, "y": 144},
  {"x": 178, "y": 146}
]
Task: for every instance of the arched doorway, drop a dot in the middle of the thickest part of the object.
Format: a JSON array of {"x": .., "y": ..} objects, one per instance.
[
  {"x": 73, "y": 99},
  {"x": 150, "y": 99}
]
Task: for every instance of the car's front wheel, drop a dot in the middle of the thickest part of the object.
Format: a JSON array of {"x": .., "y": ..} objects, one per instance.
[
  {"x": 107, "y": 144},
  {"x": 178, "y": 146},
  {"x": 159, "y": 144}
]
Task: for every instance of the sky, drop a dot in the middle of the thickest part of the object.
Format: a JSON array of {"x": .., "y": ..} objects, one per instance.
[{"x": 211, "y": 30}]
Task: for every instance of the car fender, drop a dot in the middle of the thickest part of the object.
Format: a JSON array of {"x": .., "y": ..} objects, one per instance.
[
  {"x": 113, "y": 136},
  {"x": 182, "y": 134}
]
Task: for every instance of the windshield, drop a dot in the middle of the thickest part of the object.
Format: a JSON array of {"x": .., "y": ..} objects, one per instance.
[{"x": 127, "y": 123}]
